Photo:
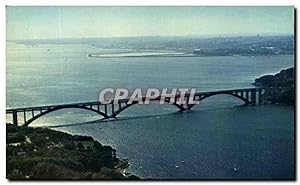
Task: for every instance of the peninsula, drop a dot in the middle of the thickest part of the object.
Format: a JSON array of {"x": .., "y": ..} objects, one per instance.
[{"x": 45, "y": 154}]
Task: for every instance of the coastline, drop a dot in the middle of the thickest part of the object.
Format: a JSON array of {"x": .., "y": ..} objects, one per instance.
[
  {"x": 280, "y": 87},
  {"x": 61, "y": 156},
  {"x": 118, "y": 55}
]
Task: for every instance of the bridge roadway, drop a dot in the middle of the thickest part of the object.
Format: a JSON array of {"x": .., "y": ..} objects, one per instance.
[{"x": 111, "y": 110}]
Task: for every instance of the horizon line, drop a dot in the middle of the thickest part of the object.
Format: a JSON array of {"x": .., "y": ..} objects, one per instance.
[{"x": 166, "y": 36}]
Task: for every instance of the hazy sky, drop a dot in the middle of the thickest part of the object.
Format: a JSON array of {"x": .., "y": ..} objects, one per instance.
[{"x": 66, "y": 22}]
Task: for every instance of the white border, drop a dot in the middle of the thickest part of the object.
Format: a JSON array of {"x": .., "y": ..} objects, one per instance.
[{"x": 111, "y": 2}]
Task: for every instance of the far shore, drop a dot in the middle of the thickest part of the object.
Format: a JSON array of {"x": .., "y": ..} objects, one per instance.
[{"x": 136, "y": 55}]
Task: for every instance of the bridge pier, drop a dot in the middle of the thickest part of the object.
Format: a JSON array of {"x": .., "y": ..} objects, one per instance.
[
  {"x": 15, "y": 117},
  {"x": 24, "y": 116},
  {"x": 260, "y": 96},
  {"x": 112, "y": 109},
  {"x": 253, "y": 96}
]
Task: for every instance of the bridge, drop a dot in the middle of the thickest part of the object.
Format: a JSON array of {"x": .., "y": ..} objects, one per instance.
[{"x": 111, "y": 110}]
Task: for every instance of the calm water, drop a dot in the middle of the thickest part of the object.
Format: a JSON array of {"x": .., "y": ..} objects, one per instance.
[{"x": 218, "y": 139}]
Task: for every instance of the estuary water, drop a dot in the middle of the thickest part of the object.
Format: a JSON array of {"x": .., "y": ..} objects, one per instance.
[{"x": 217, "y": 139}]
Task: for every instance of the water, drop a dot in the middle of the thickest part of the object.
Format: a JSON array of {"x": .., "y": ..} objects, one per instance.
[
  {"x": 218, "y": 139},
  {"x": 257, "y": 141}
]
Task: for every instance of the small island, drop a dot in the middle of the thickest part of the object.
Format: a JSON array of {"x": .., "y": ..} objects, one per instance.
[
  {"x": 45, "y": 154},
  {"x": 280, "y": 88}
]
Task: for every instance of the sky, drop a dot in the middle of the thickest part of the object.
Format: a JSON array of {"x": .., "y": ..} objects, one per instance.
[{"x": 83, "y": 22}]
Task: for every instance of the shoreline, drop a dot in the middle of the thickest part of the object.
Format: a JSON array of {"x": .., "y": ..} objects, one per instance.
[{"x": 94, "y": 55}]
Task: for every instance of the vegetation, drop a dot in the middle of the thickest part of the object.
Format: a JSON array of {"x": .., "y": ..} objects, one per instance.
[
  {"x": 40, "y": 153},
  {"x": 280, "y": 88}
]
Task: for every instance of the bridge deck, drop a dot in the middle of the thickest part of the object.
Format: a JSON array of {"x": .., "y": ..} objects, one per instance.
[
  {"x": 89, "y": 103},
  {"x": 112, "y": 109}
]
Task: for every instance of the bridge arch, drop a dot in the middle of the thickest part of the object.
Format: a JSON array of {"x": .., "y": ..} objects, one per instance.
[
  {"x": 245, "y": 100},
  {"x": 180, "y": 107},
  {"x": 63, "y": 107}
]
